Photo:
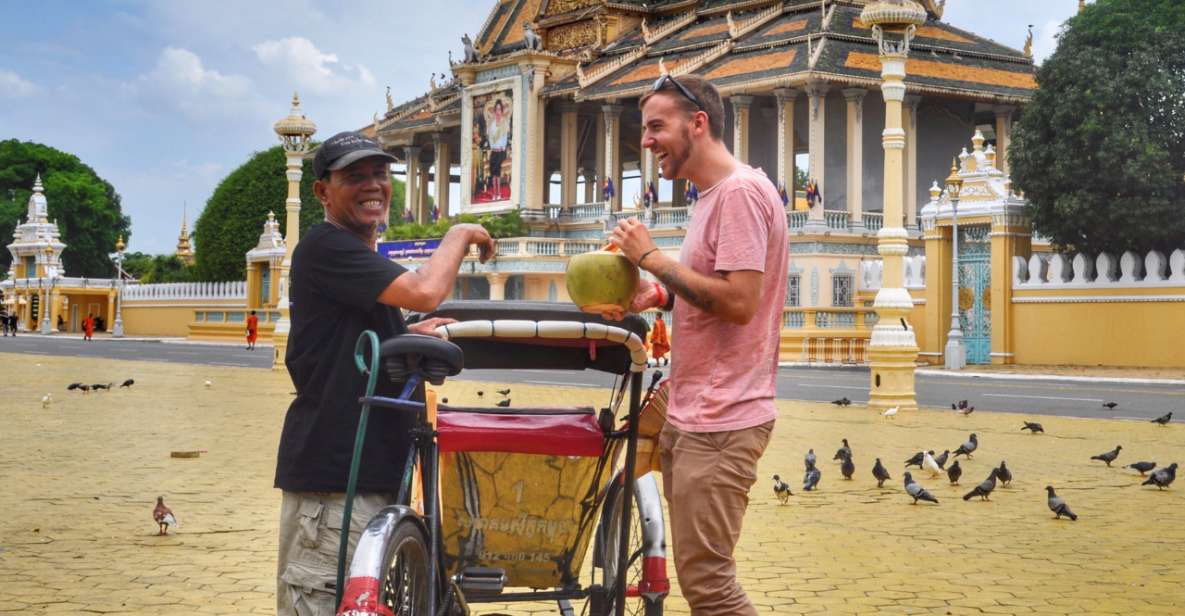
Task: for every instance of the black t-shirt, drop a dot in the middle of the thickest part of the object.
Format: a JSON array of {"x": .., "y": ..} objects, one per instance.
[{"x": 336, "y": 282}]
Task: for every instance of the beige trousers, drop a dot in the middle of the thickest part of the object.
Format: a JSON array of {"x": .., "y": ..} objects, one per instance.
[{"x": 706, "y": 478}]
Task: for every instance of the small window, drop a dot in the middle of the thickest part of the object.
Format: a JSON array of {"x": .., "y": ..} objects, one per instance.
[
  {"x": 794, "y": 290},
  {"x": 841, "y": 290}
]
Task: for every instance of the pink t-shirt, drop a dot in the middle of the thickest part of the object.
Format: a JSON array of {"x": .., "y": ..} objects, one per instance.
[{"x": 723, "y": 374}]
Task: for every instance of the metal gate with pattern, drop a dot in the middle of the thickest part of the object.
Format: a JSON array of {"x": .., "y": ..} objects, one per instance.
[{"x": 975, "y": 292}]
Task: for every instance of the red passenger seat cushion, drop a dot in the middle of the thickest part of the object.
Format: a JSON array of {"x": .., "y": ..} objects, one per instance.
[{"x": 546, "y": 432}]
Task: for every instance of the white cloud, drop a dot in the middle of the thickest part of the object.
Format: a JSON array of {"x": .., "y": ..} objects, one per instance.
[
  {"x": 13, "y": 85},
  {"x": 1045, "y": 40},
  {"x": 182, "y": 69},
  {"x": 310, "y": 68}
]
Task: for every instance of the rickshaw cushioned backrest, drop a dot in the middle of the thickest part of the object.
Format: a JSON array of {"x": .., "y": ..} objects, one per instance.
[{"x": 554, "y": 432}]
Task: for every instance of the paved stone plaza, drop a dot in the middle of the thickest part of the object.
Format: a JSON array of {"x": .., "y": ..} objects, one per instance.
[{"x": 79, "y": 480}]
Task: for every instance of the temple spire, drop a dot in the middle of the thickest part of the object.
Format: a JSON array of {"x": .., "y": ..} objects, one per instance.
[{"x": 184, "y": 251}]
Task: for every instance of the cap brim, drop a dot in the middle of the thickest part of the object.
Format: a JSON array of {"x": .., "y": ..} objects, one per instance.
[{"x": 357, "y": 155}]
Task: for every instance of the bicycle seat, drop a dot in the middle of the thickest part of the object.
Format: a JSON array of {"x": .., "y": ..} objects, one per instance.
[{"x": 431, "y": 357}]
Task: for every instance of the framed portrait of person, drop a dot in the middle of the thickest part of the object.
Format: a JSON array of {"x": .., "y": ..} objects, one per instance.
[{"x": 490, "y": 157}]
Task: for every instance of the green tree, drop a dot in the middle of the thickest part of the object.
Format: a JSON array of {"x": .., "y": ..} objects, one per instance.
[
  {"x": 167, "y": 268},
  {"x": 137, "y": 264},
  {"x": 503, "y": 225},
  {"x": 1100, "y": 151},
  {"x": 230, "y": 224},
  {"x": 85, "y": 206}
]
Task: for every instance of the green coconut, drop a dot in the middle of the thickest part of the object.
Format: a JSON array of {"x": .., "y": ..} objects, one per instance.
[{"x": 601, "y": 281}]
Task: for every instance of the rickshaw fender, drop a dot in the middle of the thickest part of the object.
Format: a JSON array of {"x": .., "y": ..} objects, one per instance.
[{"x": 360, "y": 597}]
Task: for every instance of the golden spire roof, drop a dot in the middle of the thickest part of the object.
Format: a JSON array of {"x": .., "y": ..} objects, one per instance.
[{"x": 184, "y": 251}]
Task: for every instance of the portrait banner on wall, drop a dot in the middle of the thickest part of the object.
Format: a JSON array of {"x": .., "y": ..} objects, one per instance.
[{"x": 491, "y": 162}]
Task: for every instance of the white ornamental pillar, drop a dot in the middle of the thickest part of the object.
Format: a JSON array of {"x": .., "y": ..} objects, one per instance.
[{"x": 294, "y": 131}]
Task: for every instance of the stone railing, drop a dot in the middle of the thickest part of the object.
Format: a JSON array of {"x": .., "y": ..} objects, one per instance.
[
  {"x": 232, "y": 290},
  {"x": 826, "y": 318},
  {"x": 659, "y": 217},
  {"x": 838, "y": 220},
  {"x": 582, "y": 212},
  {"x": 542, "y": 247},
  {"x": 796, "y": 219},
  {"x": 60, "y": 282},
  {"x": 872, "y": 273},
  {"x": 873, "y": 221},
  {"x": 1101, "y": 272}
]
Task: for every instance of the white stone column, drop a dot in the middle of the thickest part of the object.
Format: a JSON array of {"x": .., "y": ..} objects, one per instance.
[
  {"x": 568, "y": 178},
  {"x": 909, "y": 122},
  {"x": 411, "y": 154},
  {"x": 497, "y": 286},
  {"x": 1003, "y": 136},
  {"x": 441, "y": 171},
  {"x": 422, "y": 197},
  {"x": 599, "y": 160},
  {"x": 590, "y": 186},
  {"x": 612, "y": 117},
  {"x": 817, "y": 114},
  {"x": 855, "y": 157},
  {"x": 741, "y": 104},
  {"x": 533, "y": 149},
  {"x": 786, "y": 97}
]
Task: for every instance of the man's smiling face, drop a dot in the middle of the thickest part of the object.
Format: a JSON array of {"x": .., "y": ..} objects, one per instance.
[
  {"x": 666, "y": 131},
  {"x": 357, "y": 197}
]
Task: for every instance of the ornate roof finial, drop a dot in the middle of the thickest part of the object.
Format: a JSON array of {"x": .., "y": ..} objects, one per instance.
[
  {"x": 1081, "y": 5},
  {"x": 977, "y": 140},
  {"x": 1029, "y": 43},
  {"x": 37, "y": 187},
  {"x": 184, "y": 251},
  {"x": 662, "y": 67},
  {"x": 390, "y": 103},
  {"x": 119, "y": 245}
]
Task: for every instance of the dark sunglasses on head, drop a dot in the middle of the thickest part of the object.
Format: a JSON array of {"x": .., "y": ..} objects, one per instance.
[{"x": 661, "y": 83}]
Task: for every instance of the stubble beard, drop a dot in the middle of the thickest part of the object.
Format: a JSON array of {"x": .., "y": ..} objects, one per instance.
[{"x": 678, "y": 162}]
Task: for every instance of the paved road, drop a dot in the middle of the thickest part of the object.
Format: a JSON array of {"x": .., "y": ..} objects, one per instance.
[{"x": 1039, "y": 397}]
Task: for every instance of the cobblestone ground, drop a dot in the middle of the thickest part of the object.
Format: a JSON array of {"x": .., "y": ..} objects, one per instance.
[{"x": 78, "y": 481}]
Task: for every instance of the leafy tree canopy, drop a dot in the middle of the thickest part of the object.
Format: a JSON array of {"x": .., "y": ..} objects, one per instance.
[
  {"x": 230, "y": 224},
  {"x": 85, "y": 206},
  {"x": 503, "y": 225},
  {"x": 1100, "y": 151}
]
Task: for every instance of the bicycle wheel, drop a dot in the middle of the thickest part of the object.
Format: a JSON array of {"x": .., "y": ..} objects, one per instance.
[
  {"x": 405, "y": 586},
  {"x": 608, "y": 540}
]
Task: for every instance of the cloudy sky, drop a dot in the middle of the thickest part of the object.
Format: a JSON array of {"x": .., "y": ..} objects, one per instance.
[{"x": 164, "y": 98}]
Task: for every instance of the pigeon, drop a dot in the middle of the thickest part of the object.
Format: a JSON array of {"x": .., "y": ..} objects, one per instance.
[
  {"x": 1143, "y": 467},
  {"x": 504, "y": 403},
  {"x": 1111, "y": 405},
  {"x": 209, "y": 383},
  {"x": 1163, "y": 419},
  {"x": 1108, "y": 457},
  {"x": 890, "y": 412},
  {"x": 930, "y": 464},
  {"x": 966, "y": 411},
  {"x": 967, "y": 448},
  {"x": 954, "y": 472},
  {"x": 46, "y": 400},
  {"x": 985, "y": 487},
  {"x": 1004, "y": 475},
  {"x": 1162, "y": 478},
  {"x": 1033, "y": 426},
  {"x": 848, "y": 467},
  {"x": 128, "y": 383},
  {"x": 809, "y": 460},
  {"x": 917, "y": 491},
  {"x": 86, "y": 389},
  {"x": 480, "y": 393},
  {"x": 504, "y": 392},
  {"x": 956, "y": 406},
  {"x": 942, "y": 458},
  {"x": 842, "y": 452},
  {"x": 444, "y": 400},
  {"x": 163, "y": 516},
  {"x": 810, "y": 481},
  {"x": 98, "y": 386},
  {"x": 916, "y": 460},
  {"x": 1059, "y": 506},
  {"x": 881, "y": 473},
  {"x": 782, "y": 490},
  {"x": 73, "y": 386},
  {"x": 842, "y": 401}
]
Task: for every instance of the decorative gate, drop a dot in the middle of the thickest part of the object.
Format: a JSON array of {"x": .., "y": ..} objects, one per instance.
[{"x": 975, "y": 292}]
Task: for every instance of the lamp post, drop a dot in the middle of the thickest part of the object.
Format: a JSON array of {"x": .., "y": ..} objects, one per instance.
[
  {"x": 46, "y": 327},
  {"x": 295, "y": 131},
  {"x": 955, "y": 353},
  {"x": 893, "y": 349},
  {"x": 117, "y": 329}
]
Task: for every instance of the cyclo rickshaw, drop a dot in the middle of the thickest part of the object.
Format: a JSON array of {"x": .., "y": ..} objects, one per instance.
[{"x": 503, "y": 503}]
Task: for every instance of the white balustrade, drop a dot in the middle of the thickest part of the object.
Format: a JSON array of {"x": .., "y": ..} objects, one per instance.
[
  {"x": 185, "y": 291},
  {"x": 1081, "y": 271}
]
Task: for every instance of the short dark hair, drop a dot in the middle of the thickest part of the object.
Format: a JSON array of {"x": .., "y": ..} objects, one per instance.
[{"x": 709, "y": 98}]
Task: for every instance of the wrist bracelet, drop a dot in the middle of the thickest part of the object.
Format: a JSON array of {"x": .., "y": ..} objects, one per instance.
[
  {"x": 645, "y": 254},
  {"x": 661, "y": 293}
]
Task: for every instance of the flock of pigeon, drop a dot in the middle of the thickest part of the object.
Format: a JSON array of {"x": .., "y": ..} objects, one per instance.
[{"x": 936, "y": 465}]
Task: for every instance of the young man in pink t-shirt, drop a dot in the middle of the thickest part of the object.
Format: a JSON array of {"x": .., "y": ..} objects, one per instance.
[{"x": 727, "y": 290}]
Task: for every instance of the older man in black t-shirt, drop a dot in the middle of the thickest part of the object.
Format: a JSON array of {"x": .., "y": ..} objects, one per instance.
[{"x": 340, "y": 286}]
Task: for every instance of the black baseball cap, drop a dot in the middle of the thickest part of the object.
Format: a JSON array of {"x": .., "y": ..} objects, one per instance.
[{"x": 343, "y": 149}]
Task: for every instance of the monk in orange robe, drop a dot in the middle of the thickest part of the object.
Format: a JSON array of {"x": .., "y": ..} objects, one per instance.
[
  {"x": 252, "y": 330},
  {"x": 660, "y": 344},
  {"x": 88, "y": 327}
]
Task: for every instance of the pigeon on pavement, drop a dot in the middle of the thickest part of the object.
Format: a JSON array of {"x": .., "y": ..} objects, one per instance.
[
  {"x": 842, "y": 452},
  {"x": 1059, "y": 506},
  {"x": 503, "y": 403},
  {"x": 848, "y": 468},
  {"x": 1033, "y": 426},
  {"x": 1108, "y": 457},
  {"x": 810, "y": 481},
  {"x": 891, "y": 412},
  {"x": 1162, "y": 478},
  {"x": 504, "y": 392},
  {"x": 842, "y": 401},
  {"x": 782, "y": 490},
  {"x": 954, "y": 472},
  {"x": 881, "y": 473},
  {"x": 985, "y": 487},
  {"x": 1163, "y": 419},
  {"x": 967, "y": 448},
  {"x": 810, "y": 459},
  {"x": 915, "y": 459},
  {"x": 73, "y": 386},
  {"x": 128, "y": 383},
  {"x": 1110, "y": 405},
  {"x": 1003, "y": 474},
  {"x": 46, "y": 400},
  {"x": 966, "y": 411},
  {"x": 942, "y": 458},
  {"x": 1143, "y": 467},
  {"x": 86, "y": 389},
  {"x": 930, "y": 464},
  {"x": 209, "y": 383},
  {"x": 163, "y": 516},
  {"x": 917, "y": 491}
]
